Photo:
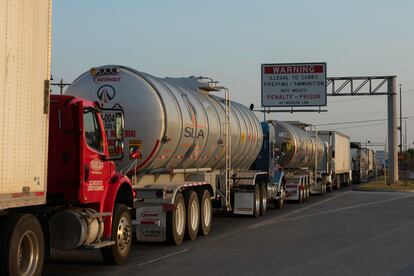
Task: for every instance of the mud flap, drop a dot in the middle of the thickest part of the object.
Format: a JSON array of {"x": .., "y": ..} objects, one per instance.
[{"x": 243, "y": 203}]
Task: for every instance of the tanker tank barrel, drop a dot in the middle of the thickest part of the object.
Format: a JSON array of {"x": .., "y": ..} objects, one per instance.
[{"x": 182, "y": 109}]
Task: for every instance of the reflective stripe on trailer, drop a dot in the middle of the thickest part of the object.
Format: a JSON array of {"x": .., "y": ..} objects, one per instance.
[
  {"x": 291, "y": 186},
  {"x": 20, "y": 195},
  {"x": 189, "y": 184},
  {"x": 186, "y": 184}
]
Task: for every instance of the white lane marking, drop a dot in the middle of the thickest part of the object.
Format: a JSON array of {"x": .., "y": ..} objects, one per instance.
[
  {"x": 277, "y": 219},
  {"x": 283, "y": 217},
  {"x": 157, "y": 259}
]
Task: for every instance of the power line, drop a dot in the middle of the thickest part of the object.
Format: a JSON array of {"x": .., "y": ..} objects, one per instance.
[
  {"x": 364, "y": 98},
  {"x": 361, "y": 121},
  {"x": 367, "y": 125}
]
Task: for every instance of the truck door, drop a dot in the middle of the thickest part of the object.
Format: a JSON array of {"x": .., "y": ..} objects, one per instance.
[{"x": 96, "y": 171}]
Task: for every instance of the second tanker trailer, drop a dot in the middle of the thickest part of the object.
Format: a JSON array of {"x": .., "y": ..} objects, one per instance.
[
  {"x": 186, "y": 150},
  {"x": 304, "y": 158}
]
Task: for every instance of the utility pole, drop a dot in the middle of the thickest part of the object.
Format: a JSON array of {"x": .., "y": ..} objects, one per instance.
[
  {"x": 401, "y": 129},
  {"x": 61, "y": 85},
  {"x": 392, "y": 133},
  {"x": 405, "y": 139}
]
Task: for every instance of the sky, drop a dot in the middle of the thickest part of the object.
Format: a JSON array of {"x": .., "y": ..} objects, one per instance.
[{"x": 228, "y": 40}]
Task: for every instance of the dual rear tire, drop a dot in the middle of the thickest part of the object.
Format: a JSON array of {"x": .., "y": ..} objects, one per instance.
[
  {"x": 191, "y": 215},
  {"x": 259, "y": 200}
]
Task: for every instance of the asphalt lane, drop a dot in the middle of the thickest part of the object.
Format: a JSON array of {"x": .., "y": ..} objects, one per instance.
[{"x": 344, "y": 233}]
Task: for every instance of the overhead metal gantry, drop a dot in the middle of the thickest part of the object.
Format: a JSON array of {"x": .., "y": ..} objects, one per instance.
[{"x": 365, "y": 86}]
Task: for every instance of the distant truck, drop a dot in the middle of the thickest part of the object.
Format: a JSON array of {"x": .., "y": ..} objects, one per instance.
[
  {"x": 359, "y": 163},
  {"x": 303, "y": 158},
  {"x": 340, "y": 154},
  {"x": 58, "y": 185}
]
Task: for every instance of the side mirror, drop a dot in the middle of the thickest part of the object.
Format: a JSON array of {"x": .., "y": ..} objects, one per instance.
[{"x": 119, "y": 126}]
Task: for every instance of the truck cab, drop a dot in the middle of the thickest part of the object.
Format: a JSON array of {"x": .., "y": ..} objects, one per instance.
[{"x": 91, "y": 197}]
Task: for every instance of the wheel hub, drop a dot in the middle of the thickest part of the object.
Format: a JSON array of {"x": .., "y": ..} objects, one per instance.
[
  {"x": 123, "y": 235},
  {"x": 28, "y": 253}
]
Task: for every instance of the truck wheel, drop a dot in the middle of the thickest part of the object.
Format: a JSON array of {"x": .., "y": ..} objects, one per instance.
[
  {"x": 280, "y": 202},
  {"x": 206, "y": 213},
  {"x": 256, "y": 201},
  {"x": 121, "y": 234},
  {"x": 329, "y": 188},
  {"x": 305, "y": 194},
  {"x": 176, "y": 221},
  {"x": 263, "y": 199},
  {"x": 22, "y": 246},
  {"x": 193, "y": 215}
]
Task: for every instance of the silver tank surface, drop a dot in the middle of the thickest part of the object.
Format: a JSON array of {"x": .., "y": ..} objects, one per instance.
[
  {"x": 296, "y": 147},
  {"x": 171, "y": 120}
]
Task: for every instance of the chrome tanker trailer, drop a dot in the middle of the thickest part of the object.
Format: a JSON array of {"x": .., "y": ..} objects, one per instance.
[
  {"x": 186, "y": 149},
  {"x": 304, "y": 159}
]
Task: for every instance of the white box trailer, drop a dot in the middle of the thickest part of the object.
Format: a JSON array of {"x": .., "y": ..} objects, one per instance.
[
  {"x": 24, "y": 74},
  {"x": 340, "y": 155},
  {"x": 24, "y": 107}
]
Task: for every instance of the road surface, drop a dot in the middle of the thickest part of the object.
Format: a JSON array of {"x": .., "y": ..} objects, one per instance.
[{"x": 344, "y": 233}]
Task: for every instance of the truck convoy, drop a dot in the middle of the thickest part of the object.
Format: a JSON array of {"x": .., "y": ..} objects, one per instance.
[
  {"x": 364, "y": 163},
  {"x": 182, "y": 150},
  {"x": 58, "y": 184}
]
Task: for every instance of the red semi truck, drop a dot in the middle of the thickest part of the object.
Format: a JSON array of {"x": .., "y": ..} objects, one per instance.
[{"x": 58, "y": 184}]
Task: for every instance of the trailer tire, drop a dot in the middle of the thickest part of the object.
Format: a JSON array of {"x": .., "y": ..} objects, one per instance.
[
  {"x": 22, "y": 246},
  {"x": 176, "y": 220},
  {"x": 304, "y": 194},
  {"x": 193, "y": 215},
  {"x": 300, "y": 195},
  {"x": 256, "y": 201},
  {"x": 329, "y": 188},
  {"x": 206, "y": 213},
  {"x": 263, "y": 199},
  {"x": 323, "y": 188},
  {"x": 121, "y": 234},
  {"x": 280, "y": 202}
]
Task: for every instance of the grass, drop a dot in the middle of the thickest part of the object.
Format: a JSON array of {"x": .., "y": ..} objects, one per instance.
[{"x": 379, "y": 185}]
